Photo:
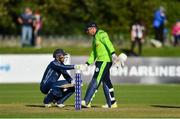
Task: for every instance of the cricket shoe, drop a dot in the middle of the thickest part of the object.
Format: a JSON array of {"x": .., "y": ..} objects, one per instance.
[
  {"x": 60, "y": 105},
  {"x": 47, "y": 105},
  {"x": 112, "y": 106},
  {"x": 83, "y": 103}
]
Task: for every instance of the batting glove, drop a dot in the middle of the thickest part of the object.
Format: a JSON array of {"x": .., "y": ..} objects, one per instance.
[
  {"x": 114, "y": 58},
  {"x": 122, "y": 58},
  {"x": 84, "y": 67}
]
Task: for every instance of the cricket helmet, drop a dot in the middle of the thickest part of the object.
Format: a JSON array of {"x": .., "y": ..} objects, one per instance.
[{"x": 58, "y": 52}]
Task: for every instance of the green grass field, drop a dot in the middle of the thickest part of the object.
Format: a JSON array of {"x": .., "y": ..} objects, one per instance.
[
  {"x": 77, "y": 50},
  {"x": 25, "y": 101}
]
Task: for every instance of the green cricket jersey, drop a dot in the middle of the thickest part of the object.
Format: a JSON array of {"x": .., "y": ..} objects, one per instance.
[{"x": 102, "y": 48}]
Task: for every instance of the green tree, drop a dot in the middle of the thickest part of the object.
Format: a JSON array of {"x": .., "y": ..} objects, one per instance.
[{"x": 68, "y": 17}]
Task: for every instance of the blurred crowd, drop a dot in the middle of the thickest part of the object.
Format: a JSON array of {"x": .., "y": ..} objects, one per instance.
[
  {"x": 31, "y": 24},
  {"x": 160, "y": 31}
]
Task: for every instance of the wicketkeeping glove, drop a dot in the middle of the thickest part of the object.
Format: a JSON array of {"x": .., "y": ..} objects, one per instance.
[{"x": 81, "y": 67}]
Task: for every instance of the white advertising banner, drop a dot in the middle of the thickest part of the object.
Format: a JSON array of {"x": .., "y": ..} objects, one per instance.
[
  {"x": 30, "y": 68},
  {"x": 23, "y": 68},
  {"x": 145, "y": 70}
]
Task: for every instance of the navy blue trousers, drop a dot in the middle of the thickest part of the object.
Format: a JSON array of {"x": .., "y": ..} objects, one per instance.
[{"x": 56, "y": 93}]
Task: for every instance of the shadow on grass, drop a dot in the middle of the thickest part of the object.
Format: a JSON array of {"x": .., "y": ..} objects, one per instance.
[{"x": 165, "y": 106}]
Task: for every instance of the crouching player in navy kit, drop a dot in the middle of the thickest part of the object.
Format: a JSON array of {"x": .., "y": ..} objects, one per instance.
[{"x": 54, "y": 88}]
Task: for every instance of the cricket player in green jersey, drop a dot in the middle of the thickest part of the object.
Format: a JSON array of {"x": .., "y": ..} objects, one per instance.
[{"x": 103, "y": 54}]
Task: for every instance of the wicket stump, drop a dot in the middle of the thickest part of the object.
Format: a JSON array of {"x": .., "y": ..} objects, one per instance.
[{"x": 78, "y": 82}]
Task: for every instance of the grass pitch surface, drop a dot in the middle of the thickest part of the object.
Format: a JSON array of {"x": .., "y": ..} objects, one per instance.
[{"x": 140, "y": 101}]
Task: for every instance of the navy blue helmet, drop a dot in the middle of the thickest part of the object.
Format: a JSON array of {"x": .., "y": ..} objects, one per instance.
[{"x": 58, "y": 52}]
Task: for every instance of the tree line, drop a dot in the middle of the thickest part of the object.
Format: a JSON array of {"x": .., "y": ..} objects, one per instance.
[{"x": 68, "y": 17}]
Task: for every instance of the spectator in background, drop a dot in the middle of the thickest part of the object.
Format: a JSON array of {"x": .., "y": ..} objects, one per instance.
[
  {"x": 165, "y": 35},
  {"x": 137, "y": 36},
  {"x": 176, "y": 33},
  {"x": 158, "y": 24},
  {"x": 37, "y": 23},
  {"x": 26, "y": 20}
]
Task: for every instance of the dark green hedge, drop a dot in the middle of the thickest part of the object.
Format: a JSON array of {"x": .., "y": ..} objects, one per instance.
[{"x": 67, "y": 17}]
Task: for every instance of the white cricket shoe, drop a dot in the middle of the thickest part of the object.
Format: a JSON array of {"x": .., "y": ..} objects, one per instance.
[
  {"x": 60, "y": 105},
  {"x": 47, "y": 105},
  {"x": 112, "y": 106},
  {"x": 83, "y": 103}
]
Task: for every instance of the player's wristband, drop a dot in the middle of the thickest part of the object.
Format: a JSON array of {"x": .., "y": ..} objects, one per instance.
[
  {"x": 112, "y": 53},
  {"x": 87, "y": 63}
]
